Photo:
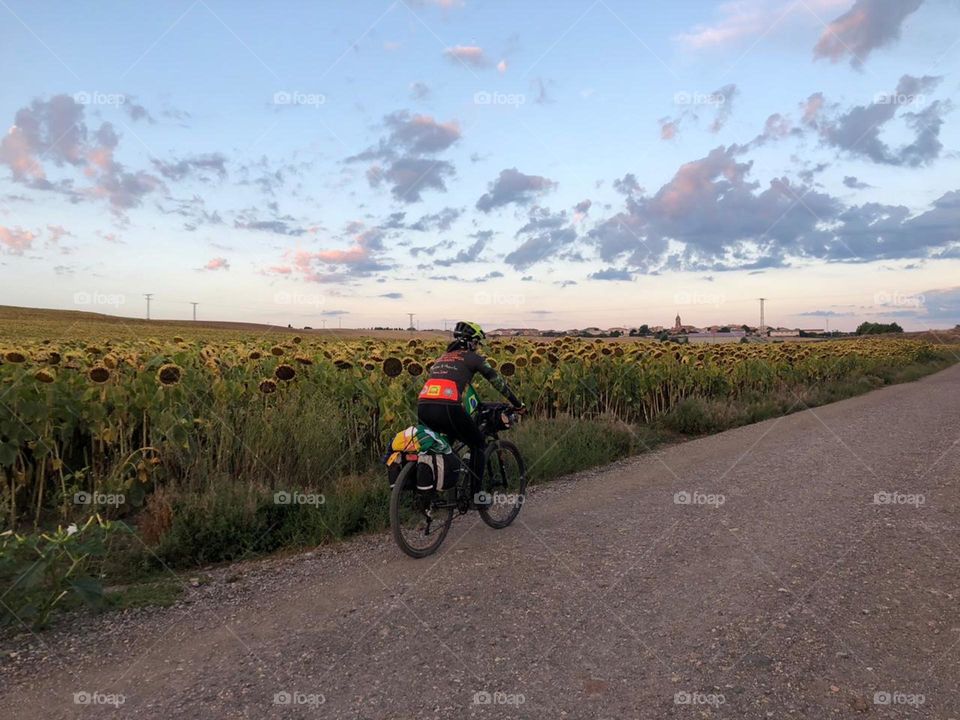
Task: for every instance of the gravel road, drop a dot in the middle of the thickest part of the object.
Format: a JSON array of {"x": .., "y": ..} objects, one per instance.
[{"x": 806, "y": 566}]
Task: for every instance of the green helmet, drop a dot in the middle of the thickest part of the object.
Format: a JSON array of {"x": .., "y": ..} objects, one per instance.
[{"x": 469, "y": 332}]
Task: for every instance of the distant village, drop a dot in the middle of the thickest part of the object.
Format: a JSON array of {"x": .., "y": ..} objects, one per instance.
[{"x": 731, "y": 332}]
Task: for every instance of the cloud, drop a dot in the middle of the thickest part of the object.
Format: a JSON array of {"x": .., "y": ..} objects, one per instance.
[
  {"x": 580, "y": 211},
  {"x": 136, "y": 111},
  {"x": 57, "y": 232},
  {"x": 513, "y": 186},
  {"x": 712, "y": 216},
  {"x": 411, "y": 135},
  {"x": 217, "y": 263},
  {"x": 541, "y": 95},
  {"x": 441, "y": 220},
  {"x": 942, "y": 304},
  {"x": 812, "y": 108},
  {"x": 741, "y": 20},
  {"x": 471, "y": 253},
  {"x": 419, "y": 90},
  {"x": 669, "y": 128},
  {"x": 467, "y": 55},
  {"x": 410, "y": 176},
  {"x": 724, "y": 107},
  {"x": 53, "y": 132},
  {"x": 196, "y": 165},
  {"x": 627, "y": 185},
  {"x": 15, "y": 241},
  {"x": 867, "y": 26},
  {"x": 361, "y": 258},
  {"x": 859, "y": 130},
  {"x": 544, "y": 236},
  {"x": 391, "y": 295},
  {"x": 405, "y": 156},
  {"x": 854, "y": 183},
  {"x": 612, "y": 274},
  {"x": 278, "y": 227},
  {"x": 824, "y": 314}
]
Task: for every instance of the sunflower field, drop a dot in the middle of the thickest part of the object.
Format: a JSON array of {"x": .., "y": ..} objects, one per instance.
[{"x": 122, "y": 426}]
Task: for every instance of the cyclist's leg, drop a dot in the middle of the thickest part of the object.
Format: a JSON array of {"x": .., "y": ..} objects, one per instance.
[{"x": 454, "y": 421}]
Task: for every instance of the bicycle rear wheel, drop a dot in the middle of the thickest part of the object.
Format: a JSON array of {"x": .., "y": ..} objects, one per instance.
[
  {"x": 418, "y": 526},
  {"x": 505, "y": 480}
]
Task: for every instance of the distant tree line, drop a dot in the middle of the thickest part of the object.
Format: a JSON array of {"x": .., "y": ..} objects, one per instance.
[{"x": 869, "y": 328}]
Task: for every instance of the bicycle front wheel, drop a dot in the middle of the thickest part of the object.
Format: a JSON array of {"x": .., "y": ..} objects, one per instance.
[
  {"x": 505, "y": 480},
  {"x": 418, "y": 526}
]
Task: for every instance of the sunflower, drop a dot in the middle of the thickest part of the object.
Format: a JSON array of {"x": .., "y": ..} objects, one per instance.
[
  {"x": 342, "y": 364},
  {"x": 415, "y": 368},
  {"x": 14, "y": 356},
  {"x": 267, "y": 386},
  {"x": 255, "y": 355},
  {"x": 169, "y": 374},
  {"x": 392, "y": 367},
  {"x": 303, "y": 360},
  {"x": 297, "y": 339},
  {"x": 508, "y": 369},
  {"x": 45, "y": 376},
  {"x": 277, "y": 350},
  {"x": 285, "y": 372},
  {"x": 53, "y": 358},
  {"x": 521, "y": 361},
  {"x": 98, "y": 374},
  {"x": 110, "y": 362}
]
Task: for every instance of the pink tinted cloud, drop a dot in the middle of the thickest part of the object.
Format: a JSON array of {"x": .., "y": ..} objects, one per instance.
[
  {"x": 742, "y": 19},
  {"x": 217, "y": 263},
  {"x": 668, "y": 129},
  {"x": 16, "y": 241},
  {"x": 469, "y": 54},
  {"x": 868, "y": 25}
]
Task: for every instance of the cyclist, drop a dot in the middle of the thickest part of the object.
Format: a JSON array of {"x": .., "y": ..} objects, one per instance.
[{"x": 447, "y": 401}]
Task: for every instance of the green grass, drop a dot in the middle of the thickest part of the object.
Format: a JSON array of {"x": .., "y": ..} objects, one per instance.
[{"x": 159, "y": 593}]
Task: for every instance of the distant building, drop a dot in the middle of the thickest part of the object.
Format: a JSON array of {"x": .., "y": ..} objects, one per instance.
[
  {"x": 514, "y": 332},
  {"x": 679, "y": 327}
]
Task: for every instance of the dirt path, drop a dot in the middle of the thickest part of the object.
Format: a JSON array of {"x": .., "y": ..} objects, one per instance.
[{"x": 798, "y": 596}]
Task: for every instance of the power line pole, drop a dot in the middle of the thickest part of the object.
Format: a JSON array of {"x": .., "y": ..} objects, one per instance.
[
  {"x": 148, "y": 296},
  {"x": 410, "y": 326},
  {"x": 194, "y": 310},
  {"x": 763, "y": 326},
  {"x": 323, "y": 324}
]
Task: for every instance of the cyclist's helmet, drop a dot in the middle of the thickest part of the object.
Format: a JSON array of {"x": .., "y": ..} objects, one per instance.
[{"x": 469, "y": 333}]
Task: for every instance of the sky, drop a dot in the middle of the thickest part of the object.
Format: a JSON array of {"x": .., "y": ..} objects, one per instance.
[{"x": 555, "y": 165}]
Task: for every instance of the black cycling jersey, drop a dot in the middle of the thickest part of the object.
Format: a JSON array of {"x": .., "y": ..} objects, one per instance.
[{"x": 452, "y": 372}]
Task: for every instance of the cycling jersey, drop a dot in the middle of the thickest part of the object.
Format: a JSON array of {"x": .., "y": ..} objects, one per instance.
[{"x": 450, "y": 378}]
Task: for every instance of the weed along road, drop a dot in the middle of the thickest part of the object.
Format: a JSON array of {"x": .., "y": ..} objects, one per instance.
[{"x": 806, "y": 566}]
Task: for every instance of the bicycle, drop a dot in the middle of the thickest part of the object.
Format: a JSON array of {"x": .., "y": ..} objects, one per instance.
[{"x": 421, "y": 520}]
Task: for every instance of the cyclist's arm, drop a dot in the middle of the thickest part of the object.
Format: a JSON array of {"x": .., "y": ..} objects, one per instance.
[{"x": 496, "y": 379}]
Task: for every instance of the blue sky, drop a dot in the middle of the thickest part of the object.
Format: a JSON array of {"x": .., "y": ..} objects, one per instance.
[{"x": 525, "y": 164}]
